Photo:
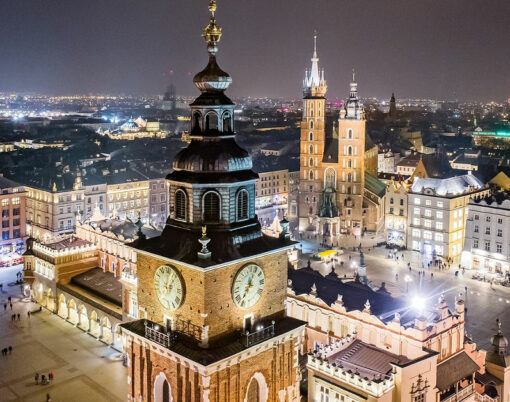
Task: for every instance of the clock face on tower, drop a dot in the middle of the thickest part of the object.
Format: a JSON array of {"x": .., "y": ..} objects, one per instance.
[
  {"x": 248, "y": 286},
  {"x": 168, "y": 286}
]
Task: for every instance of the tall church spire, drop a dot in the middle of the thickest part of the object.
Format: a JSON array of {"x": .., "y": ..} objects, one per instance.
[{"x": 314, "y": 83}]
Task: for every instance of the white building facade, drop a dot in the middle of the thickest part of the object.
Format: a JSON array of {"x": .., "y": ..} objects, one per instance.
[
  {"x": 487, "y": 247},
  {"x": 437, "y": 213}
]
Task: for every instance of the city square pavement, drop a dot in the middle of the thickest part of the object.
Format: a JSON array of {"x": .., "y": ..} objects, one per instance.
[
  {"x": 484, "y": 302},
  {"x": 85, "y": 369}
]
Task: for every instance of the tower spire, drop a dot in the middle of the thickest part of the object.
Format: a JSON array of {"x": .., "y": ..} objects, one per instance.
[
  {"x": 212, "y": 32},
  {"x": 314, "y": 83},
  {"x": 315, "y": 44}
]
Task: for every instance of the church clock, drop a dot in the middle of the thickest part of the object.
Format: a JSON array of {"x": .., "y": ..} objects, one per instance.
[
  {"x": 248, "y": 286},
  {"x": 168, "y": 286}
]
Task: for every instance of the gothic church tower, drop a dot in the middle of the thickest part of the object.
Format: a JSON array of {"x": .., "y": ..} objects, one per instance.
[{"x": 312, "y": 141}]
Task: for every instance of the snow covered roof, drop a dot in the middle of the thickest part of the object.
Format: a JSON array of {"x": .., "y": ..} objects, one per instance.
[{"x": 451, "y": 186}]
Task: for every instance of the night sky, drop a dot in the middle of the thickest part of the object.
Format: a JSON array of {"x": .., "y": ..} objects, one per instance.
[{"x": 443, "y": 49}]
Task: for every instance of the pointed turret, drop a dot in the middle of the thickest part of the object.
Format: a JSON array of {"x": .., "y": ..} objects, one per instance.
[
  {"x": 314, "y": 84},
  {"x": 353, "y": 107}
]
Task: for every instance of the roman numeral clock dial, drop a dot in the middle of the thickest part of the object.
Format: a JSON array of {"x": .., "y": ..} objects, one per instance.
[
  {"x": 168, "y": 287},
  {"x": 248, "y": 286}
]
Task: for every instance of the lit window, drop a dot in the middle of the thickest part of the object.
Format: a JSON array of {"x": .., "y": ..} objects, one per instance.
[
  {"x": 428, "y": 212},
  {"x": 417, "y": 211},
  {"x": 15, "y": 201},
  {"x": 440, "y": 204},
  {"x": 427, "y": 223},
  {"x": 416, "y": 232},
  {"x": 438, "y": 237},
  {"x": 416, "y": 221},
  {"x": 439, "y": 214},
  {"x": 428, "y": 202},
  {"x": 416, "y": 201},
  {"x": 427, "y": 235},
  {"x": 5, "y": 202}
]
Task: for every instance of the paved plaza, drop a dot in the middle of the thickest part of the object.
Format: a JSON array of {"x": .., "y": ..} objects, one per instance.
[
  {"x": 85, "y": 369},
  {"x": 484, "y": 302}
]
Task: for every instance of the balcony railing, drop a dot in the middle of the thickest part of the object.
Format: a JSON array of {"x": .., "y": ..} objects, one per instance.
[
  {"x": 485, "y": 398},
  {"x": 159, "y": 334},
  {"x": 260, "y": 335},
  {"x": 460, "y": 395},
  {"x": 187, "y": 328}
]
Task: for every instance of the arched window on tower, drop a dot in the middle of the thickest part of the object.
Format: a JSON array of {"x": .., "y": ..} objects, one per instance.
[
  {"x": 349, "y": 133},
  {"x": 166, "y": 391},
  {"x": 196, "y": 122},
  {"x": 349, "y": 150},
  {"x": 311, "y": 123},
  {"x": 311, "y": 162},
  {"x": 227, "y": 123},
  {"x": 180, "y": 205},
  {"x": 349, "y": 177},
  {"x": 349, "y": 163},
  {"x": 311, "y": 136},
  {"x": 330, "y": 178},
  {"x": 253, "y": 394},
  {"x": 242, "y": 205},
  {"x": 211, "y": 207},
  {"x": 311, "y": 174},
  {"x": 211, "y": 121},
  {"x": 311, "y": 149}
]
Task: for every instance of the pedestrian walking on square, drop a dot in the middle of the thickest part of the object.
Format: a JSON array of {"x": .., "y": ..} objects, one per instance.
[
  {"x": 5, "y": 306},
  {"x": 10, "y": 349},
  {"x": 9, "y": 299},
  {"x": 28, "y": 314},
  {"x": 18, "y": 316},
  {"x": 51, "y": 375},
  {"x": 48, "y": 398},
  {"x": 10, "y": 305},
  {"x": 36, "y": 378}
]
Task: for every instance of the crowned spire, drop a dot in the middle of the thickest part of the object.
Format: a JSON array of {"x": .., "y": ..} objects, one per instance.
[
  {"x": 314, "y": 83},
  {"x": 212, "y": 78},
  {"x": 212, "y": 32}
]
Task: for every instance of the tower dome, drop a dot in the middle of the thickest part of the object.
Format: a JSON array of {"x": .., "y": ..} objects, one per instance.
[{"x": 499, "y": 341}]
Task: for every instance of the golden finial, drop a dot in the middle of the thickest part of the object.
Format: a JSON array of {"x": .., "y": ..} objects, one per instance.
[
  {"x": 212, "y": 7},
  {"x": 212, "y": 32},
  {"x": 54, "y": 187},
  {"x": 204, "y": 231}
]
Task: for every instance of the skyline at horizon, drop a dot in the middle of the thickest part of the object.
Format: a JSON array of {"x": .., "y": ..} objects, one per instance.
[{"x": 131, "y": 53}]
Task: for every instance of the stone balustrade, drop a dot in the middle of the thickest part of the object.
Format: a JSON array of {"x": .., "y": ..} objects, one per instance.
[{"x": 375, "y": 388}]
